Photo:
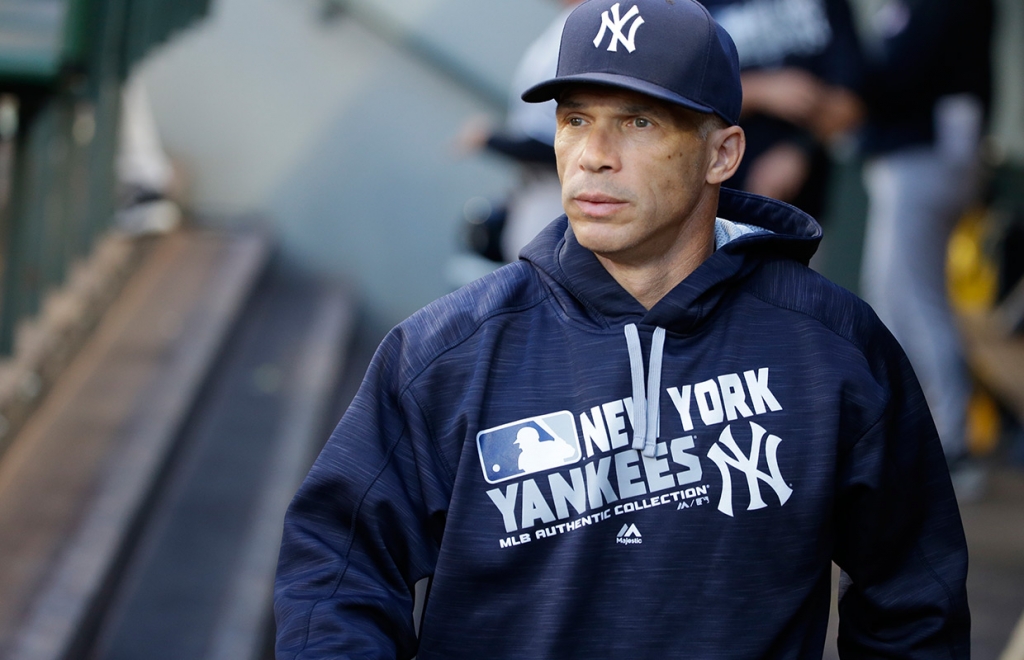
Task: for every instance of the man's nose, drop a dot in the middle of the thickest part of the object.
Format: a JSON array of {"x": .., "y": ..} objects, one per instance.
[{"x": 600, "y": 152}]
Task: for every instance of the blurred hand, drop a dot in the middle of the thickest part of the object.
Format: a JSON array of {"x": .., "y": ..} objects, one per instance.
[
  {"x": 779, "y": 172},
  {"x": 841, "y": 112},
  {"x": 790, "y": 94},
  {"x": 473, "y": 135}
]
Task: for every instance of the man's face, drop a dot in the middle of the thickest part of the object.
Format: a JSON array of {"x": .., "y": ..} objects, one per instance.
[{"x": 633, "y": 169}]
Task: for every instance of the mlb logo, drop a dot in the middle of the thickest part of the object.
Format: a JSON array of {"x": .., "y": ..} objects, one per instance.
[{"x": 528, "y": 446}]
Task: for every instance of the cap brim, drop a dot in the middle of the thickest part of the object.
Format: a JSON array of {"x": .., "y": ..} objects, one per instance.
[{"x": 550, "y": 89}]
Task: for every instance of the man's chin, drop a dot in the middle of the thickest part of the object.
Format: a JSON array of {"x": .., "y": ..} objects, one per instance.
[{"x": 599, "y": 237}]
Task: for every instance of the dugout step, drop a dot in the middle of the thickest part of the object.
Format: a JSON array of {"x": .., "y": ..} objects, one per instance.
[{"x": 78, "y": 478}]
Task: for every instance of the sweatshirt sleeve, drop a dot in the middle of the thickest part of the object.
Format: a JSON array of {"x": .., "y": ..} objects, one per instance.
[
  {"x": 522, "y": 149},
  {"x": 363, "y": 528},
  {"x": 899, "y": 537}
]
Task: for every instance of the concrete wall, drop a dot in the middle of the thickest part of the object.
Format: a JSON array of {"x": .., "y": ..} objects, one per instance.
[{"x": 338, "y": 132}]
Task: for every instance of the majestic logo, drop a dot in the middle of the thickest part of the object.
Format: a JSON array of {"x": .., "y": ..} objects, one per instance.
[
  {"x": 629, "y": 535},
  {"x": 616, "y": 24},
  {"x": 527, "y": 446},
  {"x": 748, "y": 466}
]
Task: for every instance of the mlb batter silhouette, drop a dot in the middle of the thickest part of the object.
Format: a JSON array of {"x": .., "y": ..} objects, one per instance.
[{"x": 537, "y": 455}]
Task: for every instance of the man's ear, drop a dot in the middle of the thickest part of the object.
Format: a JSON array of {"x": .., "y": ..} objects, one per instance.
[{"x": 726, "y": 147}]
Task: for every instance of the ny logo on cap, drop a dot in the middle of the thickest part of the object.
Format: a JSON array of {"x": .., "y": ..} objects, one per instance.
[{"x": 615, "y": 24}]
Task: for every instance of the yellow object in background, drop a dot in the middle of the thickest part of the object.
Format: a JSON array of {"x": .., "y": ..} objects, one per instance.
[
  {"x": 971, "y": 275},
  {"x": 972, "y": 280},
  {"x": 983, "y": 423}
]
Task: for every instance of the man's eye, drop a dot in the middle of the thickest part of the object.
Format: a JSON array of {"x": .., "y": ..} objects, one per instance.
[
  {"x": 575, "y": 121},
  {"x": 640, "y": 122}
]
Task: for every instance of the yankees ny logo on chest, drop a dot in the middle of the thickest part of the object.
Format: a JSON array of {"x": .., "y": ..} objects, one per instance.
[
  {"x": 747, "y": 465},
  {"x": 615, "y": 25}
]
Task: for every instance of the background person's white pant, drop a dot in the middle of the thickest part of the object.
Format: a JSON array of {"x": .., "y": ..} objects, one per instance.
[{"x": 916, "y": 196}]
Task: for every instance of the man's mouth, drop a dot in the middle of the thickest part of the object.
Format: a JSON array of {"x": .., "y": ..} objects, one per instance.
[{"x": 598, "y": 204}]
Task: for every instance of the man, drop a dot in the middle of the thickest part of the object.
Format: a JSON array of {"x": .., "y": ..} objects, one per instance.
[
  {"x": 928, "y": 90},
  {"x": 738, "y": 421},
  {"x": 800, "y": 65},
  {"x": 527, "y": 138}
]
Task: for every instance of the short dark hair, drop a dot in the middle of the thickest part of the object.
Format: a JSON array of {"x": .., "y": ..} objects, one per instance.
[
  {"x": 704, "y": 122},
  {"x": 710, "y": 123}
]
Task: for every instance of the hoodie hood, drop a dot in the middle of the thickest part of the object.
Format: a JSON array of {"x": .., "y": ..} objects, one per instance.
[{"x": 585, "y": 288}]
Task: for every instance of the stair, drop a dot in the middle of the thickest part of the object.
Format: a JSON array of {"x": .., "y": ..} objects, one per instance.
[{"x": 119, "y": 454}]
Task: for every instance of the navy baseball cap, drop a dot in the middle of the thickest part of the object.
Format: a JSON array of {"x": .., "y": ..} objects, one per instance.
[{"x": 669, "y": 49}]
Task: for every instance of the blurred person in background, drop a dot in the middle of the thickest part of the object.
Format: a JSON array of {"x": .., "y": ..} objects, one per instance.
[
  {"x": 146, "y": 177},
  {"x": 801, "y": 70},
  {"x": 928, "y": 90},
  {"x": 527, "y": 137}
]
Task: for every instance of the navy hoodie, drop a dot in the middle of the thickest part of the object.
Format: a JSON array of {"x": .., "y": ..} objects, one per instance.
[{"x": 490, "y": 448}]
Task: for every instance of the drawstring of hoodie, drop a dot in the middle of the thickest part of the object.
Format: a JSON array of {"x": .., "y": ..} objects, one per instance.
[{"x": 646, "y": 405}]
